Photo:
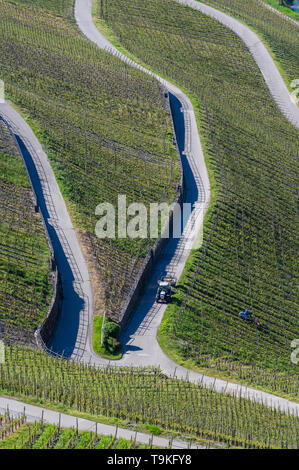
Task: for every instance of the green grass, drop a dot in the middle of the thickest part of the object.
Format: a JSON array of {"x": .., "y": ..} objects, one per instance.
[
  {"x": 111, "y": 420},
  {"x": 106, "y": 128},
  {"x": 144, "y": 396},
  {"x": 283, "y": 9},
  {"x": 249, "y": 253},
  {"x": 154, "y": 429},
  {"x": 25, "y": 286},
  {"x": 96, "y": 341}
]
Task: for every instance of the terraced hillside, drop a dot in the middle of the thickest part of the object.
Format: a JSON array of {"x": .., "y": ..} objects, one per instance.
[
  {"x": 106, "y": 128},
  {"x": 25, "y": 274},
  {"x": 249, "y": 255},
  {"x": 281, "y": 35},
  {"x": 147, "y": 397},
  {"x": 59, "y": 7},
  {"x": 15, "y": 433}
]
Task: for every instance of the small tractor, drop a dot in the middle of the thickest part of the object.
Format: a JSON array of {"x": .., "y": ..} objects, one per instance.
[
  {"x": 250, "y": 317},
  {"x": 165, "y": 289}
]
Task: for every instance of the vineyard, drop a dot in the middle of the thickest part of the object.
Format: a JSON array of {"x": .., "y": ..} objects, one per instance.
[
  {"x": 279, "y": 33},
  {"x": 58, "y": 7},
  {"x": 106, "y": 128},
  {"x": 145, "y": 395},
  {"x": 249, "y": 255},
  {"x": 16, "y": 433},
  {"x": 25, "y": 280}
]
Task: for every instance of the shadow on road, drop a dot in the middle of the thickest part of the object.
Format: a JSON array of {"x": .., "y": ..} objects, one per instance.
[
  {"x": 146, "y": 308},
  {"x": 131, "y": 347},
  {"x": 65, "y": 335}
]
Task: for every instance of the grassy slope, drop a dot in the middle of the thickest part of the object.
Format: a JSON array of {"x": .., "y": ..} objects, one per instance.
[
  {"x": 106, "y": 128},
  {"x": 248, "y": 257},
  {"x": 144, "y": 396},
  {"x": 113, "y": 420},
  {"x": 283, "y": 9},
  {"x": 25, "y": 288}
]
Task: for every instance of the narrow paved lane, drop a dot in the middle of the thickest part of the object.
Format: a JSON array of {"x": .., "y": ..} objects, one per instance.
[
  {"x": 71, "y": 265},
  {"x": 139, "y": 338},
  {"x": 36, "y": 413},
  {"x": 262, "y": 57},
  {"x": 141, "y": 347}
]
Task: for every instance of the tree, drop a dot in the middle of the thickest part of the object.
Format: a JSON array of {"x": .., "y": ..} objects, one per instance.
[{"x": 111, "y": 330}]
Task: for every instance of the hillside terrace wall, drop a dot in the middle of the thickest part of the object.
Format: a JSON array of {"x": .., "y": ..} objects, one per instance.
[{"x": 154, "y": 252}]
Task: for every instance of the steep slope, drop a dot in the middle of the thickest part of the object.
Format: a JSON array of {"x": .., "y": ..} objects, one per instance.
[
  {"x": 249, "y": 254},
  {"x": 106, "y": 129},
  {"x": 146, "y": 396},
  {"x": 25, "y": 256},
  {"x": 278, "y": 32}
]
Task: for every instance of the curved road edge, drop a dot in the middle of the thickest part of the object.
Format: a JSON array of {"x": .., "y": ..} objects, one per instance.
[
  {"x": 76, "y": 284},
  {"x": 274, "y": 81},
  {"x": 83, "y": 16},
  {"x": 176, "y": 260}
]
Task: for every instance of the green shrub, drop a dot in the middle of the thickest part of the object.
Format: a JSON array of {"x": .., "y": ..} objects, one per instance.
[{"x": 111, "y": 330}]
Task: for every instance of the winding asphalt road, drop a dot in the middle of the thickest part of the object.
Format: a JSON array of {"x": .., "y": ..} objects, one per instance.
[
  {"x": 70, "y": 262},
  {"x": 141, "y": 346},
  {"x": 262, "y": 57}
]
